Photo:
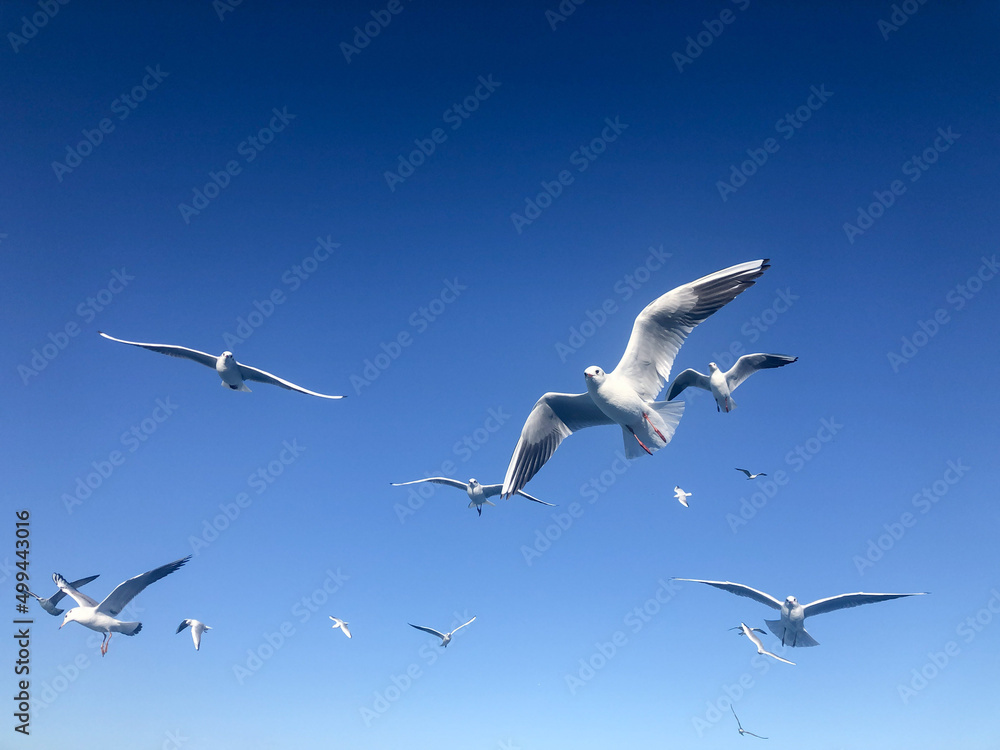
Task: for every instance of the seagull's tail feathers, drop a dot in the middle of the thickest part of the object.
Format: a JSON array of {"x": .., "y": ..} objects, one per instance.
[
  {"x": 790, "y": 637},
  {"x": 129, "y": 628},
  {"x": 242, "y": 387}
]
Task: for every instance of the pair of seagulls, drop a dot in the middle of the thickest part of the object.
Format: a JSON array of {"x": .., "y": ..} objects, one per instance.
[
  {"x": 445, "y": 637},
  {"x": 682, "y": 496},
  {"x": 626, "y": 395}
]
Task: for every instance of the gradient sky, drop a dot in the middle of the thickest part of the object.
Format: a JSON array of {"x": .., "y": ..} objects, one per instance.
[{"x": 443, "y": 220}]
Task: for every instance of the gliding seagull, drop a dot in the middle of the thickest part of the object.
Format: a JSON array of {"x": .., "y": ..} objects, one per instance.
[
  {"x": 49, "y": 605},
  {"x": 749, "y": 633},
  {"x": 742, "y": 730},
  {"x": 233, "y": 373},
  {"x": 681, "y": 496},
  {"x": 752, "y": 476},
  {"x": 722, "y": 384},
  {"x": 791, "y": 627},
  {"x": 478, "y": 493},
  {"x": 101, "y": 617},
  {"x": 197, "y": 628},
  {"x": 625, "y": 395},
  {"x": 445, "y": 637},
  {"x": 338, "y": 623}
]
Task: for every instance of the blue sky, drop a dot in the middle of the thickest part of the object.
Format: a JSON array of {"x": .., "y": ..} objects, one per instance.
[{"x": 443, "y": 223}]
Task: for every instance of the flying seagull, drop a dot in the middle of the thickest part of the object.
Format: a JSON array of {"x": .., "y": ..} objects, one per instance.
[
  {"x": 722, "y": 384},
  {"x": 338, "y": 623},
  {"x": 750, "y": 633},
  {"x": 197, "y": 628},
  {"x": 625, "y": 396},
  {"x": 233, "y": 373},
  {"x": 478, "y": 493},
  {"x": 101, "y": 617},
  {"x": 742, "y": 730},
  {"x": 752, "y": 476},
  {"x": 681, "y": 496},
  {"x": 791, "y": 627},
  {"x": 49, "y": 605},
  {"x": 445, "y": 637}
]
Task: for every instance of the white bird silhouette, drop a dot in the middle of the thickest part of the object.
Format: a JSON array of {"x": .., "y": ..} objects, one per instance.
[
  {"x": 625, "y": 395},
  {"x": 338, "y": 623},
  {"x": 750, "y": 633},
  {"x": 233, "y": 373},
  {"x": 478, "y": 493},
  {"x": 752, "y": 476},
  {"x": 445, "y": 637},
  {"x": 197, "y": 628},
  {"x": 681, "y": 496},
  {"x": 722, "y": 384}
]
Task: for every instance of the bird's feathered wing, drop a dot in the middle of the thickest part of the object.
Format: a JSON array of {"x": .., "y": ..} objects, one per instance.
[
  {"x": 740, "y": 590},
  {"x": 125, "y": 592}
]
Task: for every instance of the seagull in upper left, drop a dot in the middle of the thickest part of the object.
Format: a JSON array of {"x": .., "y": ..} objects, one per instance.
[
  {"x": 233, "y": 373},
  {"x": 479, "y": 494},
  {"x": 49, "y": 605}
]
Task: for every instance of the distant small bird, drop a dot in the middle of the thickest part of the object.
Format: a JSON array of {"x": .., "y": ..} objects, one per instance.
[
  {"x": 722, "y": 384},
  {"x": 790, "y": 628},
  {"x": 445, "y": 637},
  {"x": 49, "y": 605},
  {"x": 750, "y": 633},
  {"x": 233, "y": 373},
  {"x": 742, "y": 730},
  {"x": 681, "y": 496},
  {"x": 337, "y": 623},
  {"x": 752, "y": 476},
  {"x": 478, "y": 493},
  {"x": 101, "y": 617},
  {"x": 197, "y": 628}
]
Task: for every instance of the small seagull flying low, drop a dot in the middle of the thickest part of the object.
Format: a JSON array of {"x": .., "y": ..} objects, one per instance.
[
  {"x": 478, "y": 493},
  {"x": 752, "y": 476},
  {"x": 681, "y": 496},
  {"x": 233, "y": 373},
  {"x": 625, "y": 396},
  {"x": 49, "y": 605},
  {"x": 338, "y": 623},
  {"x": 101, "y": 617},
  {"x": 445, "y": 637},
  {"x": 791, "y": 627},
  {"x": 742, "y": 730},
  {"x": 197, "y": 628},
  {"x": 722, "y": 384},
  {"x": 751, "y": 634}
]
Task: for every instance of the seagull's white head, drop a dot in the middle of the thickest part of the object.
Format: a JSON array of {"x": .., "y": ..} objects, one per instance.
[
  {"x": 227, "y": 355},
  {"x": 791, "y": 601},
  {"x": 70, "y": 616},
  {"x": 473, "y": 482},
  {"x": 593, "y": 375},
  {"x": 712, "y": 367}
]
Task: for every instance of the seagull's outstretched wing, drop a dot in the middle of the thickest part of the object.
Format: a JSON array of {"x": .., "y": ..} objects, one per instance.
[
  {"x": 253, "y": 373},
  {"x": 461, "y": 626},
  {"x": 749, "y": 475},
  {"x": 554, "y": 417},
  {"x": 436, "y": 480},
  {"x": 432, "y": 631},
  {"x": 491, "y": 490},
  {"x": 125, "y": 592},
  {"x": 208, "y": 360},
  {"x": 49, "y": 605},
  {"x": 740, "y": 590},
  {"x": 67, "y": 589},
  {"x": 184, "y": 624},
  {"x": 662, "y": 326},
  {"x": 748, "y": 364},
  {"x": 688, "y": 379},
  {"x": 843, "y": 601}
]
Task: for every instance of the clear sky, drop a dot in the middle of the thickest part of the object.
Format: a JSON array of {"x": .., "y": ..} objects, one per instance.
[{"x": 442, "y": 212}]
